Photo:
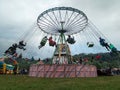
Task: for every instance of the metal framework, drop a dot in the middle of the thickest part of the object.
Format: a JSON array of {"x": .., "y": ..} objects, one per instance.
[
  {"x": 62, "y": 21},
  {"x": 72, "y": 20}
]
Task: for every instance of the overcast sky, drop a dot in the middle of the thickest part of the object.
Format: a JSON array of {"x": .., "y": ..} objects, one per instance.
[{"x": 16, "y": 16}]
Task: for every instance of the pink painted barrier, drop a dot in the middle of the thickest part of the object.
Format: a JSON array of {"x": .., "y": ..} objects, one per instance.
[{"x": 60, "y": 71}]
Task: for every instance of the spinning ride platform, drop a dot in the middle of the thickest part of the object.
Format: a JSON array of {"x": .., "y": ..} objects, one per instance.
[{"x": 62, "y": 21}]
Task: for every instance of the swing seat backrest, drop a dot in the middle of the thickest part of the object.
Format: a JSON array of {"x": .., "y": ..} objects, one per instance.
[{"x": 90, "y": 44}]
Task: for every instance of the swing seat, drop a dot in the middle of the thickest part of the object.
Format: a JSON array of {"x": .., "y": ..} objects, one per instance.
[
  {"x": 20, "y": 47},
  {"x": 71, "y": 41},
  {"x": 12, "y": 52},
  {"x": 114, "y": 49},
  {"x": 90, "y": 44},
  {"x": 52, "y": 43},
  {"x": 43, "y": 43}
]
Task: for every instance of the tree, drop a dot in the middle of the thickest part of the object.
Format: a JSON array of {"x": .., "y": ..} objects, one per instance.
[{"x": 32, "y": 59}]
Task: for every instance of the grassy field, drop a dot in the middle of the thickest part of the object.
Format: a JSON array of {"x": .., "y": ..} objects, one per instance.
[{"x": 11, "y": 82}]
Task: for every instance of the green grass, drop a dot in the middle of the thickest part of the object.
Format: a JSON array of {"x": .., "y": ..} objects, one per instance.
[{"x": 11, "y": 82}]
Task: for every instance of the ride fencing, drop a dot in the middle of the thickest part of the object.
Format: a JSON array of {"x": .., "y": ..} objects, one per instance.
[{"x": 60, "y": 71}]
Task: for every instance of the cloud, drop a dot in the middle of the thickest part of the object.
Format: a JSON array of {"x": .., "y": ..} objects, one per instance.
[{"x": 16, "y": 16}]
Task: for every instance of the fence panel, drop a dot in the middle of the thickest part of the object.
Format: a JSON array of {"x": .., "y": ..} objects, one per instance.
[{"x": 59, "y": 71}]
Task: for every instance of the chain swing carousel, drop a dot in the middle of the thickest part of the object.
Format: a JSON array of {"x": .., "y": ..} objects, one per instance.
[{"x": 62, "y": 22}]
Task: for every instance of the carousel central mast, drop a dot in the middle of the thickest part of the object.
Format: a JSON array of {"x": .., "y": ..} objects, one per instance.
[{"x": 62, "y": 54}]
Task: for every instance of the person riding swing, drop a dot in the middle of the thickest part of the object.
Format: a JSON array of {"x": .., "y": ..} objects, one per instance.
[
  {"x": 11, "y": 50},
  {"x": 22, "y": 45},
  {"x": 103, "y": 43},
  {"x": 51, "y": 42},
  {"x": 70, "y": 39},
  {"x": 43, "y": 42}
]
